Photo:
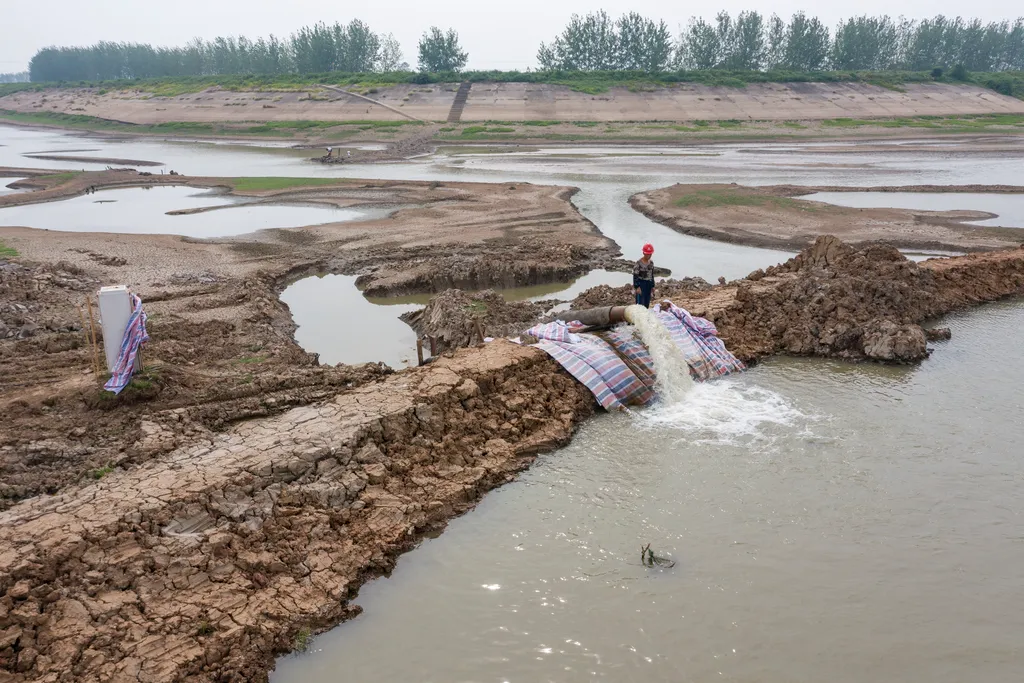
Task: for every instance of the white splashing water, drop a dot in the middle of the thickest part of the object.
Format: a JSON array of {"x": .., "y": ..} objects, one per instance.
[
  {"x": 728, "y": 411},
  {"x": 674, "y": 381}
]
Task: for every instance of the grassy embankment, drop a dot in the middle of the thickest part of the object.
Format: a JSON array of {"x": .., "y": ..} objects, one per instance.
[
  {"x": 722, "y": 197},
  {"x": 1007, "y": 82}
]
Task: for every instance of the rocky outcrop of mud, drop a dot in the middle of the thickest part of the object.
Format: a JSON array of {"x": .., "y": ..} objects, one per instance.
[
  {"x": 522, "y": 264},
  {"x": 861, "y": 304},
  {"x": 605, "y": 295},
  {"x": 206, "y": 563},
  {"x": 453, "y": 316}
]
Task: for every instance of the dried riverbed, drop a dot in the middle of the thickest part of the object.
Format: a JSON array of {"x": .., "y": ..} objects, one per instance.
[{"x": 344, "y": 467}]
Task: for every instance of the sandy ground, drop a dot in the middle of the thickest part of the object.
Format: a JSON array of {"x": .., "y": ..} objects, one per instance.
[
  {"x": 774, "y": 216},
  {"x": 527, "y": 102}
]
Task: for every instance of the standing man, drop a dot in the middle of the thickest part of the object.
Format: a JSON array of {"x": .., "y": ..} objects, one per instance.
[{"x": 643, "y": 277}]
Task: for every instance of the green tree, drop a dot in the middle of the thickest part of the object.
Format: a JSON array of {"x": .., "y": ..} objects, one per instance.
[
  {"x": 390, "y": 56},
  {"x": 700, "y": 47},
  {"x": 867, "y": 43},
  {"x": 775, "y": 43},
  {"x": 807, "y": 44},
  {"x": 641, "y": 44},
  {"x": 586, "y": 44},
  {"x": 440, "y": 51}
]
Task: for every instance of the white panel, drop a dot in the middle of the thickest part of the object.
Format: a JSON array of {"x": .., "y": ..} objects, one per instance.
[{"x": 115, "y": 310}]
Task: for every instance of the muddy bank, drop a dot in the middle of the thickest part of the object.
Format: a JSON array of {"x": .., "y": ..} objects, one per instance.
[
  {"x": 219, "y": 545},
  {"x": 95, "y": 160},
  {"x": 773, "y": 217},
  {"x": 221, "y": 343},
  {"x": 208, "y": 562},
  {"x": 833, "y": 300},
  {"x": 456, "y": 318}
]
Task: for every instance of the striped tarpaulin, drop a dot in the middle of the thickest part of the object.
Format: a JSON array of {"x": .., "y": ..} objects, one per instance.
[
  {"x": 698, "y": 339},
  {"x": 617, "y": 368},
  {"x": 134, "y": 337}
]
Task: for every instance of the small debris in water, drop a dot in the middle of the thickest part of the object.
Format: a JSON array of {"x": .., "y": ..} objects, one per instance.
[{"x": 649, "y": 559}]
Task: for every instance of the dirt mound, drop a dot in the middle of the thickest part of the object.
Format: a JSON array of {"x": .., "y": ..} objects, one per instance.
[
  {"x": 606, "y": 295},
  {"x": 837, "y": 301},
  {"x": 452, "y": 317}
]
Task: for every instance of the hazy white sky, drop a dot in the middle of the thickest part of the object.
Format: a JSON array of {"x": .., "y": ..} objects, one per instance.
[{"x": 497, "y": 35}]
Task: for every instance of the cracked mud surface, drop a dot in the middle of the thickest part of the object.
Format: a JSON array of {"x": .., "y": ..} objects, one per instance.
[{"x": 200, "y": 523}]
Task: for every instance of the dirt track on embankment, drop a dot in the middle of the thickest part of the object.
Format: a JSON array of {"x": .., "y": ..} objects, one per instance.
[{"x": 244, "y": 493}]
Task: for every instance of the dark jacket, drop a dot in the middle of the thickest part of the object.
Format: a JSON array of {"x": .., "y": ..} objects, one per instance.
[{"x": 643, "y": 271}]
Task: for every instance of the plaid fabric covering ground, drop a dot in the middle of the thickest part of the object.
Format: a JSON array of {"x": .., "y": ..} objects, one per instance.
[
  {"x": 633, "y": 352},
  {"x": 617, "y": 368},
  {"x": 134, "y": 337},
  {"x": 595, "y": 364},
  {"x": 698, "y": 339}
]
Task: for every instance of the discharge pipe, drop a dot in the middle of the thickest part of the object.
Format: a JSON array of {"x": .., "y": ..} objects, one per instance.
[{"x": 605, "y": 316}]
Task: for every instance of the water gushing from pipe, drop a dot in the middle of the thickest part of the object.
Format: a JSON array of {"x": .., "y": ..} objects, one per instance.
[{"x": 674, "y": 380}]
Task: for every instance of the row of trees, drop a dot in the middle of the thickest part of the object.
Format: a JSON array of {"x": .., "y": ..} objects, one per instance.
[
  {"x": 750, "y": 41},
  {"x": 351, "y": 47},
  {"x": 595, "y": 42},
  {"x": 20, "y": 77}
]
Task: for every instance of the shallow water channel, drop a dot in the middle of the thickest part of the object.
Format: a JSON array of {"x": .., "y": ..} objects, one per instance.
[
  {"x": 830, "y": 522},
  {"x": 1009, "y": 208},
  {"x": 146, "y": 210}
]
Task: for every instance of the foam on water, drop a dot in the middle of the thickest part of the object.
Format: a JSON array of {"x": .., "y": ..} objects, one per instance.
[
  {"x": 727, "y": 412},
  {"x": 674, "y": 381}
]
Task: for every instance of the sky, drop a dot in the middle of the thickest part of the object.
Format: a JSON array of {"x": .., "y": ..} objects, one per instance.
[{"x": 497, "y": 35}]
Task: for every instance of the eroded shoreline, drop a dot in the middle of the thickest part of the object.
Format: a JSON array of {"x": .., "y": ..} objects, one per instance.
[
  {"x": 774, "y": 216},
  {"x": 197, "y": 527}
]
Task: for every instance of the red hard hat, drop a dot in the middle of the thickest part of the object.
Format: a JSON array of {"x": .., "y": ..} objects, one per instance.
[{"x": 648, "y": 249}]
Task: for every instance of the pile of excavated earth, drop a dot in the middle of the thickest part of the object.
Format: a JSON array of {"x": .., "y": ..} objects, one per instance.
[{"x": 239, "y": 493}]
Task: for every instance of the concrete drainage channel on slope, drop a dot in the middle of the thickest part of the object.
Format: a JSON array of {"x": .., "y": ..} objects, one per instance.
[{"x": 459, "y": 104}]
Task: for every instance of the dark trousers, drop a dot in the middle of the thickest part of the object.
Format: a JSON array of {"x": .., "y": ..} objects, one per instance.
[{"x": 646, "y": 289}]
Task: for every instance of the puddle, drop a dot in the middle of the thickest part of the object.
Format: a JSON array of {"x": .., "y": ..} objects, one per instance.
[
  {"x": 143, "y": 210},
  {"x": 335, "y": 320},
  {"x": 1008, "y": 207}
]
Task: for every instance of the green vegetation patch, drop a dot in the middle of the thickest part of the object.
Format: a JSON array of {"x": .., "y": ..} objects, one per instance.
[
  {"x": 713, "y": 198},
  {"x": 6, "y": 251},
  {"x": 273, "y": 183},
  {"x": 478, "y": 131}
]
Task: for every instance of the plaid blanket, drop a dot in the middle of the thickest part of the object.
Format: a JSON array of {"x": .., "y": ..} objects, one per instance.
[
  {"x": 597, "y": 366},
  {"x": 698, "y": 339},
  {"x": 134, "y": 337},
  {"x": 617, "y": 368}
]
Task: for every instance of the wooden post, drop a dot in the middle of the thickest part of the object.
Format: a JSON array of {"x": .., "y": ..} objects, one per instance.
[
  {"x": 480, "y": 331},
  {"x": 419, "y": 350},
  {"x": 97, "y": 368},
  {"x": 433, "y": 345}
]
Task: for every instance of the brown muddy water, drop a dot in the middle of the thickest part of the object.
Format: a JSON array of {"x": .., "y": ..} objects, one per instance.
[{"x": 830, "y": 522}]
